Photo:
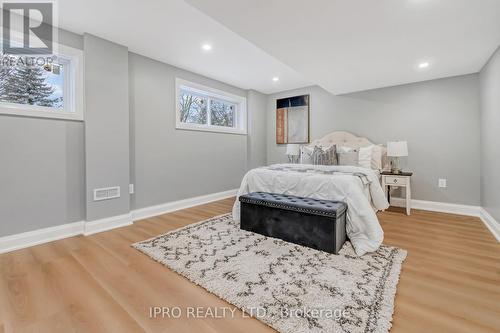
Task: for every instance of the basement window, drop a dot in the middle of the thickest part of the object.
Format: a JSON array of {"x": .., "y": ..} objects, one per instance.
[
  {"x": 47, "y": 86},
  {"x": 202, "y": 108}
]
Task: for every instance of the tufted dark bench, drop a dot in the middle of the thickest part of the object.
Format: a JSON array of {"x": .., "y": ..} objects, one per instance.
[{"x": 319, "y": 224}]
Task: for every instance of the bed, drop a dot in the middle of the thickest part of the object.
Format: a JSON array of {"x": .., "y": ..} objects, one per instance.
[{"x": 358, "y": 187}]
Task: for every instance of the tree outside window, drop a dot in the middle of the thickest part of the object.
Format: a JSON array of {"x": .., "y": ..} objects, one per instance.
[{"x": 31, "y": 84}]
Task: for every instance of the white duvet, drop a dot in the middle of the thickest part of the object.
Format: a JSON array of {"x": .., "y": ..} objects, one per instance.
[{"x": 363, "y": 227}]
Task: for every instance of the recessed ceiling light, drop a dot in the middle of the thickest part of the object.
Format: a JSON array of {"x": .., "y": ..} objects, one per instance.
[
  {"x": 206, "y": 47},
  {"x": 423, "y": 65},
  {"x": 276, "y": 79}
]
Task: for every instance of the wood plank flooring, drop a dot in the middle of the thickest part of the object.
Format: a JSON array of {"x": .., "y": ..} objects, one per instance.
[{"x": 450, "y": 281}]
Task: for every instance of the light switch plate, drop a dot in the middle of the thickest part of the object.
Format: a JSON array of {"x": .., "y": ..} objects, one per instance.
[{"x": 442, "y": 183}]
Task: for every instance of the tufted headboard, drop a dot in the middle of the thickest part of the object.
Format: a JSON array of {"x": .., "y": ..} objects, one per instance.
[{"x": 342, "y": 138}]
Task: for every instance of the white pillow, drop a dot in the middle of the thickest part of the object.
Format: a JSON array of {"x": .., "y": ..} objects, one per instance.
[
  {"x": 377, "y": 158},
  {"x": 306, "y": 153},
  {"x": 365, "y": 157}
]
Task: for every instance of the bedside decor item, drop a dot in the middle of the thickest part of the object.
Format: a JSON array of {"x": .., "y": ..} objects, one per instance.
[
  {"x": 396, "y": 149},
  {"x": 400, "y": 179},
  {"x": 292, "y": 120},
  {"x": 293, "y": 153}
]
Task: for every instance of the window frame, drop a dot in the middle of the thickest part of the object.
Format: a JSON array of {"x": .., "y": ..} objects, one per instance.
[
  {"x": 208, "y": 92},
  {"x": 73, "y": 91}
]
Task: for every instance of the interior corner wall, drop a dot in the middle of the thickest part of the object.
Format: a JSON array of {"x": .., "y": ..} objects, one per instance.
[
  {"x": 490, "y": 136},
  {"x": 107, "y": 153},
  {"x": 257, "y": 129},
  {"x": 438, "y": 118}
]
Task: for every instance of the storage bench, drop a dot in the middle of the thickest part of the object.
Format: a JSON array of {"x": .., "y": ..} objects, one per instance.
[{"x": 318, "y": 224}]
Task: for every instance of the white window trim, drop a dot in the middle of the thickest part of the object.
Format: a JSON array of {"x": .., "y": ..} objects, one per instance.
[
  {"x": 241, "y": 112},
  {"x": 74, "y": 89}
]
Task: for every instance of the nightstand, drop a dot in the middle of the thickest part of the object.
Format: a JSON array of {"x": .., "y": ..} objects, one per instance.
[{"x": 397, "y": 180}]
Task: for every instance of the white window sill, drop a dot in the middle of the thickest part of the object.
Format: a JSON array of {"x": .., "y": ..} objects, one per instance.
[
  {"x": 22, "y": 112},
  {"x": 214, "y": 129}
]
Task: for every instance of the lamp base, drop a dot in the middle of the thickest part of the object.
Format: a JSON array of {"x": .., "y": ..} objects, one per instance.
[{"x": 395, "y": 166}]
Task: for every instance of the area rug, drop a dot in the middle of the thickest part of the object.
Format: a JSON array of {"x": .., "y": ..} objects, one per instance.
[{"x": 289, "y": 287}]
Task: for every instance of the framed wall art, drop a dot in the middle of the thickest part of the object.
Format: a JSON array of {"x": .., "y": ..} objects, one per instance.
[{"x": 292, "y": 120}]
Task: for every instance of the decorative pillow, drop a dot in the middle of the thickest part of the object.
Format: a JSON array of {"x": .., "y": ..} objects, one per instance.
[
  {"x": 324, "y": 156},
  {"x": 365, "y": 157},
  {"x": 347, "y": 156},
  {"x": 306, "y": 154}
]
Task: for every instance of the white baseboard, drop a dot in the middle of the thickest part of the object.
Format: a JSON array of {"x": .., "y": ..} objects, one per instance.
[
  {"x": 93, "y": 227},
  {"x": 144, "y": 213},
  {"x": 36, "y": 237},
  {"x": 40, "y": 236},
  {"x": 442, "y": 207},
  {"x": 492, "y": 224}
]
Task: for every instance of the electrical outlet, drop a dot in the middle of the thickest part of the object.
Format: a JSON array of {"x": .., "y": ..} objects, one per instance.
[
  {"x": 442, "y": 182},
  {"x": 131, "y": 188}
]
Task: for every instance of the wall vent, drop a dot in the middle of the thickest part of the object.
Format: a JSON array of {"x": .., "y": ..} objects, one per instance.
[{"x": 106, "y": 193}]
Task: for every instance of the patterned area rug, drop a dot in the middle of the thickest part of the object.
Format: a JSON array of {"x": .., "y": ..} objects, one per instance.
[{"x": 289, "y": 287}]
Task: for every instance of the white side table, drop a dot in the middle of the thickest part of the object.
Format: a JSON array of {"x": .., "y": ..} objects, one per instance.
[{"x": 398, "y": 180}]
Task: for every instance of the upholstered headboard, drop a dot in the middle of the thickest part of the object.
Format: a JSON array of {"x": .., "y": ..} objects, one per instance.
[{"x": 341, "y": 138}]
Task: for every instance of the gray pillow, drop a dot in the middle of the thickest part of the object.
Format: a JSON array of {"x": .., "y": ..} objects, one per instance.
[
  {"x": 324, "y": 156},
  {"x": 348, "y": 158}
]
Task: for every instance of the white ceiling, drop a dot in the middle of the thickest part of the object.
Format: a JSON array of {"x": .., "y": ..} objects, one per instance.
[
  {"x": 173, "y": 32},
  {"x": 352, "y": 45},
  {"x": 342, "y": 45}
]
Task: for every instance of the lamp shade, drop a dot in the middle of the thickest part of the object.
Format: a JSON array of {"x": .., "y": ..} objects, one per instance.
[
  {"x": 293, "y": 150},
  {"x": 397, "y": 148}
]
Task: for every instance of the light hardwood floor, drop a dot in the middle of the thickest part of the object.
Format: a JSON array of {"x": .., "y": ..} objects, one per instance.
[{"x": 450, "y": 281}]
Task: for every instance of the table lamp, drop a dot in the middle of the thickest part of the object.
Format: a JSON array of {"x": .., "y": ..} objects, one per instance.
[
  {"x": 293, "y": 153},
  {"x": 396, "y": 149}
]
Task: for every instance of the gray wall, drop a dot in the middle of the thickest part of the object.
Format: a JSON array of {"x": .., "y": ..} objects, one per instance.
[
  {"x": 42, "y": 173},
  {"x": 257, "y": 129},
  {"x": 106, "y": 125},
  {"x": 490, "y": 136},
  {"x": 170, "y": 164},
  {"x": 41, "y": 169},
  {"x": 439, "y": 119}
]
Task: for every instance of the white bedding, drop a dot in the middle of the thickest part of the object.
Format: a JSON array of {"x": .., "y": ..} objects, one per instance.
[{"x": 361, "y": 197}]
